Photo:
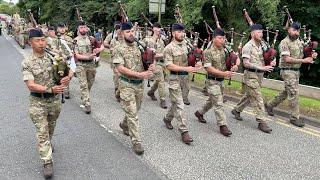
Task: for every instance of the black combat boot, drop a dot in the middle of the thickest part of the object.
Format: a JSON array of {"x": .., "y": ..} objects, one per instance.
[
  {"x": 264, "y": 127},
  {"x": 185, "y": 137},
  {"x": 236, "y": 115},
  {"x": 297, "y": 122},
  {"x": 151, "y": 95},
  {"x": 137, "y": 148},
  {"x": 225, "y": 131},
  {"x": 48, "y": 171},
  {"x": 200, "y": 117}
]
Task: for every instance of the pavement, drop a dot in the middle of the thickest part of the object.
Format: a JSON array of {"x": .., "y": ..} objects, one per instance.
[{"x": 287, "y": 153}]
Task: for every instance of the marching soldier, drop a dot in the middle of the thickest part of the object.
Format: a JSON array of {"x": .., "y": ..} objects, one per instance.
[
  {"x": 45, "y": 105},
  {"x": 175, "y": 57},
  {"x": 215, "y": 65},
  {"x": 66, "y": 47},
  {"x": 128, "y": 62},
  {"x": 51, "y": 37},
  {"x": 253, "y": 62},
  {"x": 157, "y": 43},
  {"x": 291, "y": 52},
  {"x": 113, "y": 39},
  {"x": 86, "y": 67}
]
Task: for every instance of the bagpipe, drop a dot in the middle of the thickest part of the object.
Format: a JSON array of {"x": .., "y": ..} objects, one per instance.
[
  {"x": 59, "y": 65},
  {"x": 231, "y": 55},
  {"x": 269, "y": 52},
  {"x": 147, "y": 53},
  {"x": 94, "y": 43},
  {"x": 195, "y": 54},
  {"x": 309, "y": 46}
]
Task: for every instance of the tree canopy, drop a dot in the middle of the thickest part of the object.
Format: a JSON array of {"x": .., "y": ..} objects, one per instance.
[{"x": 102, "y": 13}]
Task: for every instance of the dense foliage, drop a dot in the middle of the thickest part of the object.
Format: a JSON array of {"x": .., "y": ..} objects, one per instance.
[{"x": 102, "y": 13}]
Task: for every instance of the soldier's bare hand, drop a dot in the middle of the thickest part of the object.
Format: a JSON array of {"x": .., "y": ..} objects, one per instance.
[
  {"x": 58, "y": 89},
  {"x": 273, "y": 63},
  {"x": 268, "y": 68},
  {"x": 146, "y": 74},
  {"x": 191, "y": 69},
  {"x": 199, "y": 64},
  {"x": 308, "y": 60},
  {"x": 235, "y": 68},
  {"x": 314, "y": 55},
  {"x": 228, "y": 74},
  {"x": 65, "y": 81},
  {"x": 152, "y": 67}
]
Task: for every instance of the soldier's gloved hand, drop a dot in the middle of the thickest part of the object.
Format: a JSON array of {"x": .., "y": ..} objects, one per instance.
[
  {"x": 268, "y": 68},
  {"x": 65, "y": 81},
  {"x": 58, "y": 89}
]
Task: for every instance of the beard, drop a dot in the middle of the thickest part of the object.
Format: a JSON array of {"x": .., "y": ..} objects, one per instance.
[
  {"x": 293, "y": 37},
  {"x": 129, "y": 40},
  {"x": 179, "y": 39},
  {"x": 83, "y": 33}
]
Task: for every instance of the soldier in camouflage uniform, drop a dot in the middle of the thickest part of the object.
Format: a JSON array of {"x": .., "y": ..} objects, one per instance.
[
  {"x": 127, "y": 60},
  {"x": 45, "y": 105},
  {"x": 253, "y": 62},
  {"x": 51, "y": 38},
  {"x": 113, "y": 39},
  {"x": 215, "y": 64},
  {"x": 86, "y": 67},
  {"x": 66, "y": 48},
  {"x": 157, "y": 43},
  {"x": 291, "y": 52},
  {"x": 175, "y": 57}
]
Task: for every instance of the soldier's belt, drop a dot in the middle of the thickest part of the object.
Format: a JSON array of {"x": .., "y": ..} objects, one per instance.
[
  {"x": 179, "y": 73},
  {"x": 43, "y": 95},
  {"x": 215, "y": 78},
  {"x": 291, "y": 69},
  {"x": 254, "y": 70},
  {"x": 132, "y": 81},
  {"x": 160, "y": 60},
  {"x": 86, "y": 61}
]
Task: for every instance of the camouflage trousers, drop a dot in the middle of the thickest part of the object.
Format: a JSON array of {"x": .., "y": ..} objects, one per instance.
[
  {"x": 252, "y": 84},
  {"x": 131, "y": 98},
  {"x": 44, "y": 114},
  {"x": 116, "y": 77},
  {"x": 159, "y": 82},
  {"x": 86, "y": 73},
  {"x": 215, "y": 100},
  {"x": 185, "y": 88},
  {"x": 290, "y": 92},
  {"x": 177, "y": 105}
]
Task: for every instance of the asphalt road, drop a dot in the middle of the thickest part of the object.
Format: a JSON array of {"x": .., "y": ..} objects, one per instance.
[
  {"x": 287, "y": 153},
  {"x": 83, "y": 149}
]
